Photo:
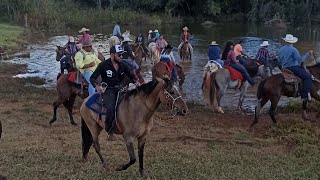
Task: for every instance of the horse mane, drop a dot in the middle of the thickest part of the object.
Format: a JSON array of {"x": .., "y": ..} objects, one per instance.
[{"x": 146, "y": 89}]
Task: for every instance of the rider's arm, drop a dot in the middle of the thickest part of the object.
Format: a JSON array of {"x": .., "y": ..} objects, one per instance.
[
  {"x": 95, "y": 75},
  {"x": 129, "y": 74},
  {"x": 298, "y": 57},
  {"x": 79, "y": 60}
]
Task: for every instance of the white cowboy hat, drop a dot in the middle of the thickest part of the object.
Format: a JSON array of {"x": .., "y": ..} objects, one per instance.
[
  {"x": 156, "y": 31},
  {"x": 264, "y": 43},
  {"x": 185, "y": 28},
  {"x": 213, "y": 43},
  {"x": 83, "y": 30},
  {"x": 290, "y": 38},
  {"x": 150, "y": 31},
  {"x": 71, "y": 39},
  {"x": 126, "y": 39}
]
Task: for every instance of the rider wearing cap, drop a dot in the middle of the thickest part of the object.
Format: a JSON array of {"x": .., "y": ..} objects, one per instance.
[
  {"x": 185, "y": 38},
  {"x": 112, "y": 72},
  {"x": 167, "y": 56}
]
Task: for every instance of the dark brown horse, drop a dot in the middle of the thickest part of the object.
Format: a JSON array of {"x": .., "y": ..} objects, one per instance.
[
  {"x": 275, "y": 86},
  {"x": 60, "y": 52},
  {"x": 134, "y": 119},
  {"x": 185, "y": 53},
  {"x": 160, "y": 70}
]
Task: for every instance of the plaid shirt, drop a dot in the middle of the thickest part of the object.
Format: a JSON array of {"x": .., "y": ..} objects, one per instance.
[{"x": 263, "y": 54}]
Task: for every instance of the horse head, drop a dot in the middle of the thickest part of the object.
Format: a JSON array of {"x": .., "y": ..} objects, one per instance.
[
  {"x": 60, "y": 51},
  {"x": 172, "y": 97}
]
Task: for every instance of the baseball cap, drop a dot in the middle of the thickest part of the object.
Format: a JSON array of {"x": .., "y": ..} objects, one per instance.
[{"x": 116, "y": 49}]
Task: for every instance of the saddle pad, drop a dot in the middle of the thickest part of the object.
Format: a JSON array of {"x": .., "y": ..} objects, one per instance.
[
  {"x": 95, "y": 104},
  {"x": 72, "y": 77},
  {"x": 168, "y": 63},
  {"x": 289, "y": 76},
  {"x": 235, "y": 75}
]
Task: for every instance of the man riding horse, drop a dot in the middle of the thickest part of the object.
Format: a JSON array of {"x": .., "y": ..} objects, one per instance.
[
  {"x": 290, "y": 58},
  {"x": 185, "y": 38},
  {"x": 112, "y": 72},
  {"x": 70, "y": 51},
  {"x": 86, "y": 63},
  {"x": 168, "y": 58},
  {"x": 117, "y": 32},
  {"x": 140, "y": 42}
]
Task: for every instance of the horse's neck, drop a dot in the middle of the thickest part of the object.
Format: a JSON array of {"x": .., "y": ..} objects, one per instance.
[{"x": 152, "y": 101}]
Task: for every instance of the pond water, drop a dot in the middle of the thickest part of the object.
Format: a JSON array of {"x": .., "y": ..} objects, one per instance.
[{"x": 42, "y": 61}]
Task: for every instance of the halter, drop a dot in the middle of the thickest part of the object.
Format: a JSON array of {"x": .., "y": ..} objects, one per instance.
[{"x": 168, "y": 95}]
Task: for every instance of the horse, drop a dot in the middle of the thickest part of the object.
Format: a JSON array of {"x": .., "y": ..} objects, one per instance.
[
  {"x": 160, "y": 69},
  {"x": 274, "y": 87},
  {"x": 60, "y": 52},
  {"x": 134, "y": 119},
  {"x": 139, "y": 53},
  {"x": 185, "y": 53},
  {"x": 154, "y": 52},
  {"x": 114, "y": 40}
]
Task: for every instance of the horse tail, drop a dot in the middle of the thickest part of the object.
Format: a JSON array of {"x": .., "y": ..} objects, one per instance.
[
  {"x": 260, "y": 90},
  {"x": 86, "y": 138},
  {"x": 212, "y": 88}
]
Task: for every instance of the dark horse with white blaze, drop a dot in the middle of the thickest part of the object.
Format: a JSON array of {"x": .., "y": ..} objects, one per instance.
[
  {"x": 133, "y": 121},
  {"x": 275, "y": 86}
]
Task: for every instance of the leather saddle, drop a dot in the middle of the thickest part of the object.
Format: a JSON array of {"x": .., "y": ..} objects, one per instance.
[{"x": 292, "y": 79}]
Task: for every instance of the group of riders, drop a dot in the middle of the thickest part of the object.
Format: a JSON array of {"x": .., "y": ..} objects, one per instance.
[
  {"x": 113, "y": 69},
  {"x": 289, "y": 58}
]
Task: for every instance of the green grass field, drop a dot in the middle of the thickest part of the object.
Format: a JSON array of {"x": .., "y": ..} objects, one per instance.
[{"x": 10, "y": 36}]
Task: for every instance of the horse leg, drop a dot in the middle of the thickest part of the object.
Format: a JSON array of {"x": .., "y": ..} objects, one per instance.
[
  {"x": 257, "y": 109},
  {"x": 219, "y": 96},
  {"x": 56, "y": 104},
  {"x": 304, "y": 112},
  {"x": 86, "y": 139},
  {"x": 96, "y": 145},
  {"x": 69, "y": 105},
  {"x": 272, "y": 111},
  {"x": 132, "y": 156},
  {"x": 244, "y": 89},
  {"x": 141, "y": 143}
]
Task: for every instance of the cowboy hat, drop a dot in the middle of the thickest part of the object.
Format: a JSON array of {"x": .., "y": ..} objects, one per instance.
[
  {"x": 264, "y": 43},
  {"x": 290, "y": 38},
  {"x": 185, "y": 28},
  {"x": 83, "y": 30},
  {"x": 86, "y": 43},
  {"x": 150, "y": 31},
  {"x": 156, "y": 31},
  {"x": 213, "y": 43},
  {"x": 126, "y": 39},
  {"x": 71, "y": 39}
]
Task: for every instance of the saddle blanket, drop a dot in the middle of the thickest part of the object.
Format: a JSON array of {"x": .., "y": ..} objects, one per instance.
[
  {"x": 95, "y": 104},
  {"x": 235, "y": 75}
]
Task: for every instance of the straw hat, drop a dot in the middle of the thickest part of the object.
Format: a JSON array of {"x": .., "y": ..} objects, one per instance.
[
  {"x": 126, "y": 39},
  {"x": 290, "y": 38},
  {"x": 83, "y": 30},
  {"x": 213, "y": 43},
  {"x": 185, "y": 28},
  {"x": 264, "y": 43},
  {"x": 156, "y": 31},
  {"x": 150, "y": 31}
]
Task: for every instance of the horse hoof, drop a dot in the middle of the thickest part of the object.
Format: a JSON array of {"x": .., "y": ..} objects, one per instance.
[
  {"x": 120, "y": 168},
  {"x": 52, "y": 120},
  {"x": 74, "y": 123}
]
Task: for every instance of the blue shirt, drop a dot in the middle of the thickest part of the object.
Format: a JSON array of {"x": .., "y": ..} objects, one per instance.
[
  {"x": 214, "y": 52},
  {"x": 116, "y": 30},
  {"x": 289, "y": 56},
  {"x": 157, "y": 35}
]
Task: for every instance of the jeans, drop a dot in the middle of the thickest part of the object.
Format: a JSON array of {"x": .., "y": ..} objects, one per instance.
[
  {"x": 64, "y": 63},
  {"x": 110, "y": 97},
  {"x": 131, "y": 63},
  {"x": 243, "y": 71},
  {"x": 242, "y": 60},
  {"x": 306, "y": 80},
  {"x": 87, "y": 74}
]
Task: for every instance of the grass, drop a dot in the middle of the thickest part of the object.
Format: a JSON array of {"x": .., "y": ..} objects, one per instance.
[
  {"x": 10, "y": 36},
  {"x": 201, "y": 145}
]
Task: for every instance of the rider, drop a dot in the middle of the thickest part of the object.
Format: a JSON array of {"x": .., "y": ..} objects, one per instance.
[
  {"x": 263, "y": 56},
  {"x": 167, "y": 56},
  {"x": 157, "y": 35},
  {"x": 290, "y": 58},
  {"x": 229, "y": 57},
  {"x": 140, "y": 41},
  {"x": 161, "y": 43},
  {"x": 150, "y": 39},
  {"x": 214, "y": 53},
  {"x": 85, "y": 36},
  {"x": 116, "y": 31},
  {"x": 71, "y": 50},
  {"x": 128, "y": 56},
  {"x": 86, "y": 63},
  {"x": 239, "y": 54},
  {"x": 112, "y": 72},
  {"x": 185, "y": 37}
]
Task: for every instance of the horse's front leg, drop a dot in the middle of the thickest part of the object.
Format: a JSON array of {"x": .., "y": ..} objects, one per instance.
[
  {"x": 132, "y": 156},
  {"x": 56, "y": 104},
  {"x": 141, "y": 143},
  {"x": 304, "y": 112}
]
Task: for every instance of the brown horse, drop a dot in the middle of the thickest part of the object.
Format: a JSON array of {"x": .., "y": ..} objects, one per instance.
[
  {"x": 134, "y": 119},
  {"x": 160, "y": 70},
  {"x": 185, "y": 53},
  {"x": 139, "y": 54},
  {"x": 60, "y": 52},
  {"x": 274, "y": 86}
]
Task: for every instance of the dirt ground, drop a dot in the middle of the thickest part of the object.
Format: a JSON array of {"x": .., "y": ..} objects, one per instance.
[{"x": 200, "y": 145}]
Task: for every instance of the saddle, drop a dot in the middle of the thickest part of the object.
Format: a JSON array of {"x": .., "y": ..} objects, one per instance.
[
  {"x": 234, "y": 74},
  {"x": 291, "y": 79},
  {"x": 77, "y": 79}
]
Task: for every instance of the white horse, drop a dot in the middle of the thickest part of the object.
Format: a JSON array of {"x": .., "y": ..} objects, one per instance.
[
  {"x": 114, "y": 40},
  {"x": 154, "y": 52}
]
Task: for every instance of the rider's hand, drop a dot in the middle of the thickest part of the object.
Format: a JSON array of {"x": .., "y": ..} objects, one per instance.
[
  {"x": 92, "y": 64},
  {"x": 98, "y": 89}
]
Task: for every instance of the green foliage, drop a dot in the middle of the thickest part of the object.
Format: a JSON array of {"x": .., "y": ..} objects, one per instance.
[{"x": 9, "y": 35}]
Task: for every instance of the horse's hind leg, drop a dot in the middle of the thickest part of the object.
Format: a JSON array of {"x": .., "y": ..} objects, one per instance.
[
  {"x": 96, "y": 144},
  {"x": 257, "y": 109},
  {"x": 272, "y": 111},
  {"x": 132, "y": 156},
  {"x": 56, "y": 104},
  {"x": 69, "y": 105}
]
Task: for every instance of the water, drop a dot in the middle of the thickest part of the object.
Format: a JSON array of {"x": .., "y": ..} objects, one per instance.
[{"x": 42, "y": 61}]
